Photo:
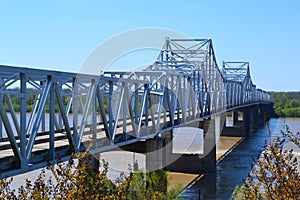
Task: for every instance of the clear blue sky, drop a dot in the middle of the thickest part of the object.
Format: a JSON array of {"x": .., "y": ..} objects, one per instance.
[{"x": 61, "y": 34}]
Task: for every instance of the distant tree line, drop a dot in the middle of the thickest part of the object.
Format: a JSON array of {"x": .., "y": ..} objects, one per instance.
[
  {"x": 31, "y": 97},
  {"x": 286, "y": 104}
]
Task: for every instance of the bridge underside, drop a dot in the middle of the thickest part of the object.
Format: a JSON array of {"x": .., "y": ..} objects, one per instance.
[
  {"x": 159, "y": 151},
  {"x": 243, "y": 121}
]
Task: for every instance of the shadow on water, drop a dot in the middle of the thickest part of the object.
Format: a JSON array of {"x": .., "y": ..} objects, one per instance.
[{"x": 230, "y": 170}]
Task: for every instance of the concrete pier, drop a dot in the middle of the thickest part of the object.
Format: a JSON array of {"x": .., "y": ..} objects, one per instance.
[
  {"x": 246, "y": 120},
  {"x": 198, "y": 163}
]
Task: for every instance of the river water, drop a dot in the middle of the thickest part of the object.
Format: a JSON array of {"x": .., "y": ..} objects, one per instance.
[{"x": 236, "y": 165}]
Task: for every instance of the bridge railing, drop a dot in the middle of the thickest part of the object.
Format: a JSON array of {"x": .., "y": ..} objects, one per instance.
[{"x": 239, "y": 86}]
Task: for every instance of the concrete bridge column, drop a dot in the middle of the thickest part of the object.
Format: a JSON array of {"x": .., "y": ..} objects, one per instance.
[
  {"x": 235, "y": 117},
  {"x": 159, "y": 150},
  {"x": 91, "y": 161},
  {"x": 220, "y": 121},
  {"x": 247, "y": 112},
  {"x": 241, "y": 127},
  {"x": 155, "y": 154},
  {"x": 253, "y": 119},
  {"x": 257, "y": 117},
  {"x": 209, "y": 157},
  {"x": 196, "y": 163}
]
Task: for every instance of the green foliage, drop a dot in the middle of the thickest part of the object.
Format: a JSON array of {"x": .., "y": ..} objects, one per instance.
[
  {"x": 81, "y": 182},
  {"x": 30, "y": 99},
  {"x": 152, "y": 185},
  {"x": 291, "y": 112},
  {"x": 286, "y": 104},
  {"x": 238, "y": 193}
]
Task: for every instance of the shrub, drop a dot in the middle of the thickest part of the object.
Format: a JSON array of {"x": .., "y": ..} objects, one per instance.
[{"x": 275, "y": 175}]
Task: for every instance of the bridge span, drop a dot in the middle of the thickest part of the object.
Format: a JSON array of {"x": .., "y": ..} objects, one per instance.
[{"x": 48, "y": 114}]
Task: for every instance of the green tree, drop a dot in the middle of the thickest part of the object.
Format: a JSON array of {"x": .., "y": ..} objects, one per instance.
[{"x": 286, "y": 104}]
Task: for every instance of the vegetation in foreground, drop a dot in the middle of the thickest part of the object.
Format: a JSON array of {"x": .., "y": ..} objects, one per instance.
[
  {"x": 275, "y": 175},
  {"x": 77, "y": 181}
]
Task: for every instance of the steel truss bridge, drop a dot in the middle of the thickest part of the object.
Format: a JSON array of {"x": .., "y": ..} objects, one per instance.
[{"x": 50, "y": 114}]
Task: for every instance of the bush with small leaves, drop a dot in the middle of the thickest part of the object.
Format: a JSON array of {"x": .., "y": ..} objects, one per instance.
[{"x": 275, "y": 175}]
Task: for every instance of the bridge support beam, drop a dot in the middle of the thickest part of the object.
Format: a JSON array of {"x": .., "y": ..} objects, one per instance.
[
  {"x": 252, "y": 119},
  {"x": 241, "y": 124},
  {"x": 155, "y": 154},
  {"x": 220, "y": 120},
  {"x": 196, "y": 163},
  {"x": 235, "y": 116},
  {"x": 92, "y": 162},
  {"x": 160, "y": 153}
]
